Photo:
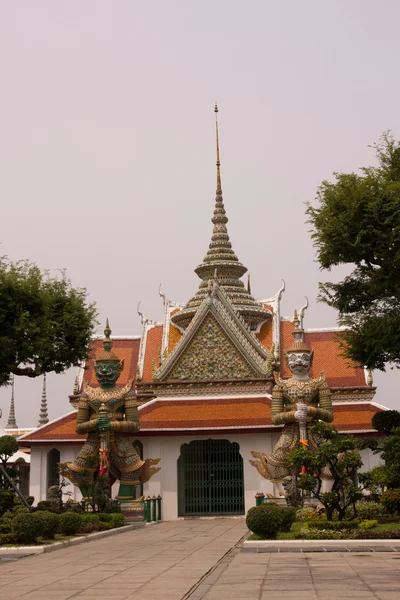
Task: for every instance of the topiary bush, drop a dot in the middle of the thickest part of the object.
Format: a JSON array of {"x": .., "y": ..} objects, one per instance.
[
  {"x": 70, "y": 523},
  {"x": 50, "y": 523},
  {"x": 287, "y": 517},
  {"x": 48, "y": 505},
  {"x": 264, "y": 520},
  {"x": 25, "y": 528}
]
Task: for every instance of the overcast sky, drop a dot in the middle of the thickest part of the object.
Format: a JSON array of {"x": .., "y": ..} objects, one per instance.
[{"x": 107, "y": 147}]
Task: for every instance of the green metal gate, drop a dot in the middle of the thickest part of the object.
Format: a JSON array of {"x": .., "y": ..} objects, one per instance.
[{"x": 210, "y": 479}]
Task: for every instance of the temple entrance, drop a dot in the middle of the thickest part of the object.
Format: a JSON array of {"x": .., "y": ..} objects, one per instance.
[{"x": 210, "y": 479}]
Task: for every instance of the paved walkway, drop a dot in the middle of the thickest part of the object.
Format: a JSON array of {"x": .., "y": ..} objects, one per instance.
[
  {"x": 314, "y": 576},
  {"x": 198, "y": 560},
  {"x": 158, "y": 562}
]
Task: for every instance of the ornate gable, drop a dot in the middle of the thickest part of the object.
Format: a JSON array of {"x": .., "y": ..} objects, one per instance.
[
  {"x": 217, "y": 345},
  {"x": 211, "y": 355}
]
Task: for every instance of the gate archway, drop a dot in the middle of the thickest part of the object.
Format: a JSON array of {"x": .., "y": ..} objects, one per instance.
[{"x": 210, "y": 479}]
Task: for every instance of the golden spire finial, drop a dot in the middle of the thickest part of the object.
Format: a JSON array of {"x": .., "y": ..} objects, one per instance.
[{"x": 219, "y": 189}]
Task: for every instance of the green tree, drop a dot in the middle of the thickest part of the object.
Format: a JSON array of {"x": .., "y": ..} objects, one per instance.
[
  {"x": 45, "y": 324},
  {"x": 357, "y": 222},
  {"x": 386, "y": 420},
  {"x": 338, "y": 453},
  {"x": 8, "y": 447}
]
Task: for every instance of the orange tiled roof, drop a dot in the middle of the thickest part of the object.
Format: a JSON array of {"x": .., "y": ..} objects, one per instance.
[
  {"x": 265, "y": 334},
  {"x": 203, "y": 415},
  {"x": 62, "y": 429},
  {"x": 339, "y": 371},
  {"x": 240, "y": 413},
  {"x": 153, "y": 349},
  {"x": 126, "y": 350}
]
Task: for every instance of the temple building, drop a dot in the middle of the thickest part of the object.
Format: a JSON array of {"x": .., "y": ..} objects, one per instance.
[{"x": 204, "y": 377}]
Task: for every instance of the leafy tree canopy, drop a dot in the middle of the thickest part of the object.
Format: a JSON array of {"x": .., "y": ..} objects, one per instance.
[
  {"x": 357, "y": 222},
  {"x": 8, "y": 447},
  {"x": 386, "y": 421},
  {"x": 338, "y": 453},
  {"x": 45, "y": 324}
]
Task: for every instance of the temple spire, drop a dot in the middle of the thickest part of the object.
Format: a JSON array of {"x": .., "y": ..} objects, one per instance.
[
  {"x": 219, "y": 188},
  {"x": 43, "y": 415},
  {"x": 221, "y": 256},
  {"x": 12, "y": 423}
]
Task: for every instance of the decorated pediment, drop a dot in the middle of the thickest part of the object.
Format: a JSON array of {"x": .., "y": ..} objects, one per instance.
[{"x": 217, "y": 345}]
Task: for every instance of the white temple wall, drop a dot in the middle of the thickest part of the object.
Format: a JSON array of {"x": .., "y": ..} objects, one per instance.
[
  {"x": 165, "y": 482},
  {"x": 168, "y": 448}
]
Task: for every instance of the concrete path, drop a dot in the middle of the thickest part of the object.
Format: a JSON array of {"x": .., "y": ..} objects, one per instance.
[
  {"x": 161, "y": 561},
  {"x": 313, "y": 576}
]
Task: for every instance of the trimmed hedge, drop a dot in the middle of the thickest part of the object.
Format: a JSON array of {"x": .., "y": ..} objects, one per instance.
[
  {"x": 49, "y": 506},
  {"x": 333, "y": 525},
  {"x": 25, "y": 528},
  {"x": 49, "y": 523},
  {"x": 70, "y": 523},
  {"x": 269, "y": 518}
]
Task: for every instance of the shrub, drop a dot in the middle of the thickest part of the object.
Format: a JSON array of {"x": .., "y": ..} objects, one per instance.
[
  {"x": 386, "y": 420},
  {"x": 118, "y": 520},
  {"x": 70, "y": 523},
  {"x": 48, "y": 506},
  {"x": 90, "y": 518},
  {"x": 370, "y": 510},
  {"x": 6, "y": 500},
  {"x": 333, "y": 525},
  {"x": 287, "y": 516},
  {"x": 325, "y": 534},
  {"x": 106, "y": 517},
  {"x": 310, "y": 514},
  {"x": 264, "y": 520},
  {"x": 6, "y": 538},
  {"x": 26, "y": 528},
  {"x": 391, "y": 501},
  {"x": 391, "y": 534},
  {"x": 368, "y": 524},
  {"x": 50, "y": 523},
  {"x": 20, "y": 509},
  {"x": 388, "y": 519}
]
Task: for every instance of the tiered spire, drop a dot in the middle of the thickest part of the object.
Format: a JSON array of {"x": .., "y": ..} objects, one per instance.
[
  {"x": 12, "y": 423},
  {"x": 43, "y": 415},
  {"x": 222, "y": 263}
]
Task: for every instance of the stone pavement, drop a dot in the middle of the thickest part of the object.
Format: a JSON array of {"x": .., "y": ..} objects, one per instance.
[
  {"x": 161, "y": 561},
  {"x": 308, "y": 576},
  {"x": 197, "y": 560}
]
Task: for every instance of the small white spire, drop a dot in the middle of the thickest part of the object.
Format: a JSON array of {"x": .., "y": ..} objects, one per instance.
[
  {"x": 12, "y": 423},
  {"x": 43, "y": 415}
]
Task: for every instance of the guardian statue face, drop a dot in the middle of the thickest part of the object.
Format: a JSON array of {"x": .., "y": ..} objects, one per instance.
[
  {"x": 299, "y": 363},
  {"x": 107, "y": 372}
]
